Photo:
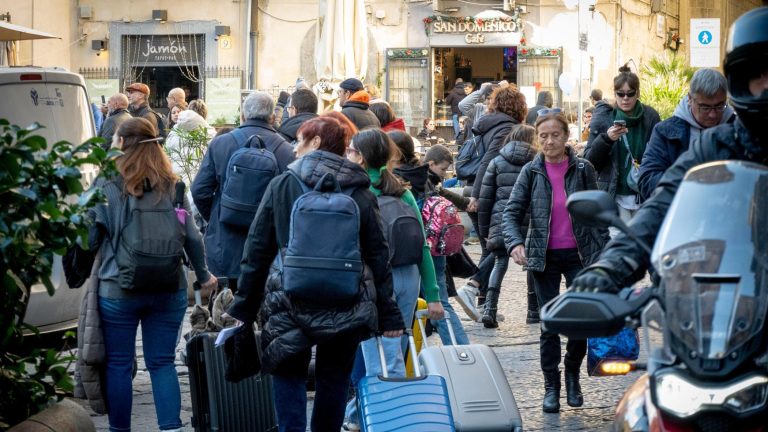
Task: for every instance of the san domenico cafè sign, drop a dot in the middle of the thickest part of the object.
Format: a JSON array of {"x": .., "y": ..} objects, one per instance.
[{"x": 475, "y": 30}]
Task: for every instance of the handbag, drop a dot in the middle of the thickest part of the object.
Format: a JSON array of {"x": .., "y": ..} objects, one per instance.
[
  {"x": 461, "y": 264},
  {"x": 633, "y": 176},
  {"x": 242, "y": 354},
  {"x": 624, "y": 345}
]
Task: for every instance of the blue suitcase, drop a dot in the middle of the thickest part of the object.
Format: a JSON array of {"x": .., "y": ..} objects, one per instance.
[{"x": 417, "y": 404}]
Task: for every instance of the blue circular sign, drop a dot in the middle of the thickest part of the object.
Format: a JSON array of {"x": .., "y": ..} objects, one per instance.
[{"x": 705, "y": 37}]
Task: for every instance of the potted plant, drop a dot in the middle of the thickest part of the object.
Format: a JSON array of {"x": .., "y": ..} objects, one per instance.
[{"x": 43, "y": 213}]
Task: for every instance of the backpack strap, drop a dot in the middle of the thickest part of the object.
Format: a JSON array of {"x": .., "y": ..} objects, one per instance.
[
  {"x": 304, "y": 187},
  {"x": 178, "y": 200},
  {"x": 241, "y": 137}
]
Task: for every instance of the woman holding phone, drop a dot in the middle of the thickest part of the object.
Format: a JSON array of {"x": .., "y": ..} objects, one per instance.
[{"x": 617, "y": 139}]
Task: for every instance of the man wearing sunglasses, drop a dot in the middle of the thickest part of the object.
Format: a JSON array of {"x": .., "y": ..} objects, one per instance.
[{"x": 704, "y": 107}]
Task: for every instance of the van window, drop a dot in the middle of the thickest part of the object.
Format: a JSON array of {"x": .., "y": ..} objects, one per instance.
[{"x": 61, "y": 108}]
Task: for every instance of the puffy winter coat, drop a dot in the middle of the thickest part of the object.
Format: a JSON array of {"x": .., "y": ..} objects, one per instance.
[
  {"x": 291, "y": 327},
  {"x": 493, "y": 129},
  {"x": 497, "y": 185},
  {"x": 533, "y": 190},
  {"x": 356, "y": 110},
  {"x": 600, "y": 149}
]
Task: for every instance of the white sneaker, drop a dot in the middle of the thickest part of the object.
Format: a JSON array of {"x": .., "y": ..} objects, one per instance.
[
  {"x": 500, "y": 317},
  {"x": 349, "y": 426},
  {"x": 466, "y": 298}
]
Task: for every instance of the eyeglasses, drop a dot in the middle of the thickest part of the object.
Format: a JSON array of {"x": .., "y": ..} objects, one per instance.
[
  {"x": 706, "y": 109},
  {"x": 629, "y": 94},
  {"x": 546, "y": 111},
  {"x": 351, "y": 150}
]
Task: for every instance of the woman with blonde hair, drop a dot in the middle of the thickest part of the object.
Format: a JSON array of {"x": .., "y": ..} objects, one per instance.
[{"x": 145, "y": 183}]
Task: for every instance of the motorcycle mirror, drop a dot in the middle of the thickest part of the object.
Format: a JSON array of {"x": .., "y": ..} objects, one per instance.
[
  {"x": 582, "y": 315},
  {"x": 593, "y": 208},
  {"x": 597, "y": 209}
]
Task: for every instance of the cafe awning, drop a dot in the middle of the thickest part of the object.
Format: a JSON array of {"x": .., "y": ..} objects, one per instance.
[{"x": 13, "y": 32}]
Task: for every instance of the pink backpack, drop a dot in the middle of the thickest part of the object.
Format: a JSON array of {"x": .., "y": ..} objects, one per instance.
[{"x": 445, "y": 233}]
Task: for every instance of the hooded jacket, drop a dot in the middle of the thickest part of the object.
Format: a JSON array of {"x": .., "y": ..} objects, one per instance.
[
  {"x": 454, "y": 97},
  {"x": 533, "y": 191},
  {"x": 289, "y": 128},
  {"x": 291, "y": 327},
  {"x": 497, "y": 186},
  {"x": 600, "y": 148},
  {"x": 493, "y": 129},
  {"x": 356, "y": 110},
  {"x": 669, "y": 140}
]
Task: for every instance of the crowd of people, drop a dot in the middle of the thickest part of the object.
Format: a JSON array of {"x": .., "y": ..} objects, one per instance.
[{"x": 531, "y": 163}]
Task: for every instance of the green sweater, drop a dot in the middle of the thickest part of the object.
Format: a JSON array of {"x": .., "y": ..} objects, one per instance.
[{"x": 426, "y": 267}]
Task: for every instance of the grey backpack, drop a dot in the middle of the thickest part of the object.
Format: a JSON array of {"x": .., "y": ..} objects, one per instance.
[{"x": 150, "y": 243}]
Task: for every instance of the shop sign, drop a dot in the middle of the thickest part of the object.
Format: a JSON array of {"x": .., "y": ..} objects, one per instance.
[
  {"x": 101, "y": 87},
  {"x": 222, "y": 96},
  {"x": 475, "y": 29},
  {"x": 166, "y": 48}
]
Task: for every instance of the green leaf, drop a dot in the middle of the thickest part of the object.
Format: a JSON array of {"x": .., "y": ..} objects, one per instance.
[{"x": 26, "y": 193}]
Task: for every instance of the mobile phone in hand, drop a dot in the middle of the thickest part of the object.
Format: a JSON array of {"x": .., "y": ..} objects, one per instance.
[
  {"x": 103, "y": 100},
  {"x": 620, "y": 123}
]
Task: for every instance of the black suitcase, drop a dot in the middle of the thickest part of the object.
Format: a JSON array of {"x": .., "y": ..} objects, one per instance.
[{"x": 219, "y": 405}]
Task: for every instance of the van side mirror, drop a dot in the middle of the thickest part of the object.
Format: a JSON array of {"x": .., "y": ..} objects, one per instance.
[{"x": 593, "y": 208}]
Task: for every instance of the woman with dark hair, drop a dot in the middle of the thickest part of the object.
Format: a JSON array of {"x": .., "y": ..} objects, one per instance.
[
  {"x": 145, "y": 178},
  {"x": 373, "y": 150},
  {"x": 617, "y": 139},
  {"x": 506, "y": 108},
  {"x": 428, "y": 131},
  {"x": 555, "y": 245},
  {"x": 386, "y": 116},
  {"x": 497, "y": 185},
  {"x": 289, "y": 327}
]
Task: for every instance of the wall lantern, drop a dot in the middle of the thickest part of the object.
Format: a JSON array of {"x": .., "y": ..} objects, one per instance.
[
  {"x": 99, "y": 45},
  {"x": 222, "y": 30},
  {"x": 160, "y": 15}
]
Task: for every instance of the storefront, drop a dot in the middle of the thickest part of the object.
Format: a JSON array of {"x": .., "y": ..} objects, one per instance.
[{"x": 489, "y": 46}]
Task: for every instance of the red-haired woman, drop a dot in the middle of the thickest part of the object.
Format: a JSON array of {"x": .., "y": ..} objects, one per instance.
[{"x": 291, "y": 328}]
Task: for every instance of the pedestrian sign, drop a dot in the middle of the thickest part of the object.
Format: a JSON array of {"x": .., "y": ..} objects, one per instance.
[
  {"x": 705, "y": 37},
  {"x": 705, "y": 42}
]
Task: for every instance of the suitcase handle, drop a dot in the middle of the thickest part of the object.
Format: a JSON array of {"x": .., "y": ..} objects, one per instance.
[
  {"x": 411, "y": 349},
  {"x": 424, "y": 313}
]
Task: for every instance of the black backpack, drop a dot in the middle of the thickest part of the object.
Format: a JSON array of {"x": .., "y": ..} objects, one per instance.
[
  {"x": 160, "y": 124},
  {"x": 149, "y": 246},
  {"x": 402, "y": 230},
  {"x": 469, "y": 158},
  {"x": 322, "y": 263},
  {"x": 249, "y": 171}
]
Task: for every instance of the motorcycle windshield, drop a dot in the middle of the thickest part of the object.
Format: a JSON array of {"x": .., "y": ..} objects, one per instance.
[{"x": 712, "y": 257}]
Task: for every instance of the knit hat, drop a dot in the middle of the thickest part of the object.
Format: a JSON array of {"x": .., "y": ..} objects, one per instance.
[{"x": 351, "y": 84}]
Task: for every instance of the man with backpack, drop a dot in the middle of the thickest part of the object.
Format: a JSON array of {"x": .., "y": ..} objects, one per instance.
[
  {"x": 139, "y": 106},
  {"x": 233, "y": 176}
]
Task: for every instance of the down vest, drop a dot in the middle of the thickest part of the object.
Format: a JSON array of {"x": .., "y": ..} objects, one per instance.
[
  {"x": 533, "y": 189},
  {"x": 497, "y": 186},
  {"x": 290, "y": 327}
]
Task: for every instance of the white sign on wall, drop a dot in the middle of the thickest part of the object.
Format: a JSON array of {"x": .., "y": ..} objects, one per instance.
[{"x": 705, "y": 42}]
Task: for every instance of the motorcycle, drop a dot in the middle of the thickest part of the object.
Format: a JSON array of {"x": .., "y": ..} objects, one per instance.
[{"x": 704, "y": 318}]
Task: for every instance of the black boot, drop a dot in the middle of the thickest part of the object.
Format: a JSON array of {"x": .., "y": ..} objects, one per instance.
[
  {"x": 533, "y": 309},
  {"x": 573, "y": 388},
  {"x": 551, "y": 402},
  {"x": 489, "y": 312}
]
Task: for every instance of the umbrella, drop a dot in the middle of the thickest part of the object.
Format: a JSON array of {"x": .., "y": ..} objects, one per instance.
[
  {"x": 342, "y": 47},
  {"x": 13, "y": 32}
]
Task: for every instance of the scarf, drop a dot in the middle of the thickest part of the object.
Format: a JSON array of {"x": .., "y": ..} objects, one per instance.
[{"x": 635, "y": 139}]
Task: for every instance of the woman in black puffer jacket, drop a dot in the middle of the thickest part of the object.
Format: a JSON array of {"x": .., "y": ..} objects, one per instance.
[{"x": 500, "y": 177}]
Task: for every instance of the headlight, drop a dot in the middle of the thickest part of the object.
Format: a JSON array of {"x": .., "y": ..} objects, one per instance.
[{"x": 683, "y": 398}]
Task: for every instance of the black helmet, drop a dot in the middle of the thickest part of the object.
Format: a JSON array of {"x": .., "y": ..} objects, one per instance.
[{"x": 746, "y": 58}]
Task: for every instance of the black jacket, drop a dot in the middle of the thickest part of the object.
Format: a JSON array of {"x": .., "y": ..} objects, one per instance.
[
  {"x": 494, "y": 128},
  {"x": 289, "y": 328},
  {"x": 224, "y": 243},
  {"x": 360, "y": 115},
  {"x": 599, "y": 150},
  {"x": 533, "y": 113},
  {"x": 147, "y": 113},
  {"x": 454, "y": 97},
  {"x": 111, "y": 124},
  {"x": 290, "y": 126},
  {"x": 623, "y": 257},
  {"x": 497, "y": 186},
  {"x": 533, "y": 190}
]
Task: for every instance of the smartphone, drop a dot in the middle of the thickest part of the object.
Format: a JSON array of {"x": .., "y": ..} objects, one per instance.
[
  {"x": 103, "y": 100},
  {"x": 620, "y": 123}
]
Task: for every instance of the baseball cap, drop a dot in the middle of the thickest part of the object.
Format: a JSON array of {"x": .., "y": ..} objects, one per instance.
[
  {"x": 351, "y": 84},
  {"x": 139, "y": 87}
]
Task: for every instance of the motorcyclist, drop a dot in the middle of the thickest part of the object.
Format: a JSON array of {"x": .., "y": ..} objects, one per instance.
[{"x": 623, "y": 261}]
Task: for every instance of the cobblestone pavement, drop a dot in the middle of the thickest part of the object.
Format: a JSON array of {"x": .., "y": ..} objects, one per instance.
[{"x": 514, "y": 342}]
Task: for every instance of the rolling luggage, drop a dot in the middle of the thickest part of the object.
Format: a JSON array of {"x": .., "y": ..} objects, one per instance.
[
  {"x": 481, "y": 399},
  {"x": 219, "y": 405},
  {"x": 403, "y": 404},
  {"x": 418, "y": 337}
]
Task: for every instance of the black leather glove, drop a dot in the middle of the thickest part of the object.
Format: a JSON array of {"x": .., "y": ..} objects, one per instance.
[{"x": 595, "y": 279}]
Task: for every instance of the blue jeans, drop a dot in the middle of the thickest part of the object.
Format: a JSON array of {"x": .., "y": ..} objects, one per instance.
[
  {"x": 405, "y": 285},
  {"x": 456, "y": 128},
  {"x": 442, "y": 328},
  {"x": 160, "y": 315},
  {"x": 333, "y": 364}
]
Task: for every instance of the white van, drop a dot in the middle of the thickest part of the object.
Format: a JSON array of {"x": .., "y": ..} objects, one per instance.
[{"x": 56, "y": 99}]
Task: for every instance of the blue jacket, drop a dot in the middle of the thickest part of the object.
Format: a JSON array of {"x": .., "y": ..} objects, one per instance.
[
  {"x": 669, "y": 140},
  {"x": 224, "y": 243}
]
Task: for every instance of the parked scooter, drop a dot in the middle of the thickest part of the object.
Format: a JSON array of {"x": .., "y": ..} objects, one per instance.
[{"x": 704, "y": 318}]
